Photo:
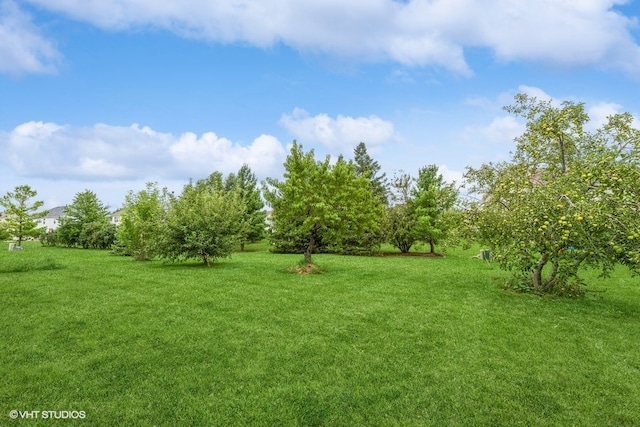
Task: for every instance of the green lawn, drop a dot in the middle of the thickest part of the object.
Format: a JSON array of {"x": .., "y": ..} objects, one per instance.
[{"x": 372, "y": 341}]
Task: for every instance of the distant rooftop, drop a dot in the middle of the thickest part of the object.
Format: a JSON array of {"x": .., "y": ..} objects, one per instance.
[{"x": 56, "y": 212}]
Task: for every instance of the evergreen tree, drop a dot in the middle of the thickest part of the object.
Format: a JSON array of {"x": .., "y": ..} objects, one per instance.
[
  {"x": 87, "y": 213},
  {"x": 370, "y": 169},
  {"x": 432, "y": 201},
  {"x": 253, "y": 219}
]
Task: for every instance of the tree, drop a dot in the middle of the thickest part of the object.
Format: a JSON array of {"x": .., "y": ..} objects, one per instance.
[
  {"x": 142, "y": 220},
  {"x": 400, "y": 225},
  {"x": 369, "y": 168},
  {"x": 4, "y": 232},
  {"x": 202, "y": 223},
  {"x": 21, "y": 216},
  {"x": 245, "y": 184},
  {"x": 432, "y": 201},
  {"x": 359, "y": 209},
  {"x": 81, "y": 219},
  {"x": 97, "y": 235},
  {"x": 319, "y": 202},
  {"x": 567, "y": 198}
]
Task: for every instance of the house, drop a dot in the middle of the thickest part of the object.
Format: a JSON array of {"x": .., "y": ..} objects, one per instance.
[
  {"x": 52, "y": 220},
  {"x": 116, "y": 217}
]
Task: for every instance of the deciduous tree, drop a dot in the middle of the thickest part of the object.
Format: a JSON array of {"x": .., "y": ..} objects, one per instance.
[
  {"x": 567, "y": 197},
  {"x": 144, "y": 214},
  {"x": 400, "y": 224},
  {"x": 318, "y": 201},
  {"x": 202, "y": 223},
  {"x": 21, "y": 214}
]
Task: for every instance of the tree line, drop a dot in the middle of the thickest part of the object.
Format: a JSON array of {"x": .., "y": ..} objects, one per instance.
[
  {"x": 346, "y": 206},
  {"x": 567, "y": 198}
]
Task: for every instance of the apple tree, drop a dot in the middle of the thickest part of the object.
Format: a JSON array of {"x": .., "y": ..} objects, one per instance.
[{"x": 567, "y": 198}]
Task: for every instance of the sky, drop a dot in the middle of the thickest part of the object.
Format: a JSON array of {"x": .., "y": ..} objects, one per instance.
[{"x": 106, "y": 95}]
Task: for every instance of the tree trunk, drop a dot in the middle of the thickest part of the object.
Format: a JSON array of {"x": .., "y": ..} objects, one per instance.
[
  {"x": 563, "y": 159},
  {"x": 432, "y": 246},
  {"x": 205, "y": 258},
  {"x": 309, "y": 250},
  {"x": 551, "y": 282},
  {"x": 242, "y": 246},
  {"x": 536, "y": 273}
]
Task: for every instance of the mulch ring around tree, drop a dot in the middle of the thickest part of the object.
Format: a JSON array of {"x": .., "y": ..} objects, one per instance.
[
  {"x": 415, "y": 254},
  {"x": 305, "y": 269}
]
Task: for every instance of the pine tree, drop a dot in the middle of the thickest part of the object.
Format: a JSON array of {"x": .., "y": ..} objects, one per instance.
[
  {"x": 369, "y": 168},
  {"x": 253, "y": 219}
]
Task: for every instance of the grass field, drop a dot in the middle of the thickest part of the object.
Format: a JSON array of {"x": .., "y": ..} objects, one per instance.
[{"x": 372, "y": 341}]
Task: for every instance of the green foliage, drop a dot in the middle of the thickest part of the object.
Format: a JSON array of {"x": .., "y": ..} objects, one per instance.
[
  {"x": 49, "y": 238},
  {"x": 400, "y": 227},
  {"x": 21, "y": 216},
  {"x": 400, "y": 223},
  {"x": 422, "y": 209},
  {"x": 143, "y": 216},
  {"x": 566, "y": 198},
  {"x": 4, "y": 231},
  {"x": 431, "y": 204},
  {"x": 85, "y": 223},
  {"x": 370, "y": 169},
  {"x": 203, "y": 223},
  {"x": 319, "y": 202},
  {"x": 252, "y": 227},
  {"x": 97, "y": 235}
]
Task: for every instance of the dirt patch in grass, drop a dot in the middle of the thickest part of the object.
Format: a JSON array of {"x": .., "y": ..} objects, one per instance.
[{"x": 305, "y": 269}]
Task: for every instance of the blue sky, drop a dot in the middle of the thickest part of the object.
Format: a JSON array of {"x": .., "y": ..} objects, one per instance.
[{"x": 109, "y": 94}]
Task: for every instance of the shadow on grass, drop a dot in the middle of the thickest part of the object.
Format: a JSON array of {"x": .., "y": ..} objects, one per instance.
[
  {"x": 26, "y": 265},
  {"x": 190, "y": 265}
]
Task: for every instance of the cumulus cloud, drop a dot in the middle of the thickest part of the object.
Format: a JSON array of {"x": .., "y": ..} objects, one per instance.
[
  {"x": 411, "y": 32},
  {"x": 506, "y": 128},
  {"x": 49, "y": 150},
  {"x": 23, "y": 49},
  {"x": 451, "y": 175},
  {"x": 501, "y": 130},
  {"x": 340, "y": 132}
]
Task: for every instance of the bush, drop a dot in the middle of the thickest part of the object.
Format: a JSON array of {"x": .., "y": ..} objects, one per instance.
[{"x": 49, "y": 238}]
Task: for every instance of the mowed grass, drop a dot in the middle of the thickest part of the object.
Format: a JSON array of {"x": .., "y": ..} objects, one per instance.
[{"x": 372, "y": 341}]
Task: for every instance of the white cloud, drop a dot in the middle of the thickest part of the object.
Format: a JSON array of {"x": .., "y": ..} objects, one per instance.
[
  {"x": 599, "y": 112},
  {"x": 210, "y": 152},
  {"x": 501, "y": 130},
  {"x": 341, "y": 132},
  {"x": 49, "y": 150},
  {"x": 450, "y": 175},
  {"x": 413, "y": 32},
  {"x": 23, "y": 49}
]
